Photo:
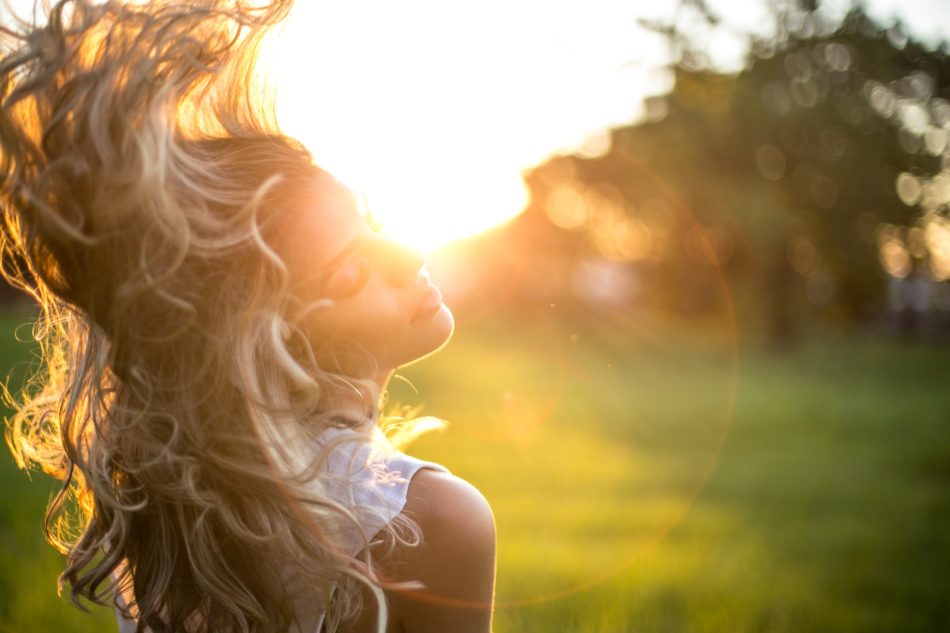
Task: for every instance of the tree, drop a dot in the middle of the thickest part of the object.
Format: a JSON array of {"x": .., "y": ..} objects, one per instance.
[{"x": 798, "y": 176}]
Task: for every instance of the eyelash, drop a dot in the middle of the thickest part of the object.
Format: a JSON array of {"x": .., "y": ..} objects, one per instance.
[{"x": 352, "y": 287}]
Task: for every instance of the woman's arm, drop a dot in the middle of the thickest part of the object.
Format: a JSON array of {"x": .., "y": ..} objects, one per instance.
[{"x": 455, "y": 562}]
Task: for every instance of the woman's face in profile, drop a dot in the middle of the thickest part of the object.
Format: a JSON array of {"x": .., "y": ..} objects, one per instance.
[{"x": 382, "y": 298}]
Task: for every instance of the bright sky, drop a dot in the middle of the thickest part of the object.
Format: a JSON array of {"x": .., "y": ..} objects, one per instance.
[
  {"x": 434, "y": 109},
  {"x": 925, "y": 20},
  {"x": 928, "y": 20}
]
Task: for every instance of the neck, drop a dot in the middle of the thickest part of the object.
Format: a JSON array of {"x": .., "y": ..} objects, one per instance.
[{"x": 347, "y": 401}]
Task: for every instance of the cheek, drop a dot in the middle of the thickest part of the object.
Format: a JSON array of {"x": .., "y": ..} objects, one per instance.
[{"x": 375, "y": 322}]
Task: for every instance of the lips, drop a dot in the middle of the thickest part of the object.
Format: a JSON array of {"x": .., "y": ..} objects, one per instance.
[{"x": 429, "y": 304}]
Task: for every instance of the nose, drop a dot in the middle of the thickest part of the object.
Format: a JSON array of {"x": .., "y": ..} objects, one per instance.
[{"x": 401, "y": 263}]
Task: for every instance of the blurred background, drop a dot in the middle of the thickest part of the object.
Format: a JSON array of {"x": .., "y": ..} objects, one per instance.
[{"x": 698, "y": 255}]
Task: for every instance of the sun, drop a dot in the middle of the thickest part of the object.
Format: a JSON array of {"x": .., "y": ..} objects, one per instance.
[
  {"x": 434, "y": 110},
  {"x": 399, "y": 133},
  {"x": 438, "y": 204}
]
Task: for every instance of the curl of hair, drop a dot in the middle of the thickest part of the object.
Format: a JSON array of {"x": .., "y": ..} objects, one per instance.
[{"x": 144, "y": 184}]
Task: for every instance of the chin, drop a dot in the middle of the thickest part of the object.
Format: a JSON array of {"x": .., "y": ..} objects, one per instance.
[{"x": 432, "y": 334}]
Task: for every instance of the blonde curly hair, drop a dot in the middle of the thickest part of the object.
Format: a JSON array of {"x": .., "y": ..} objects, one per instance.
[{"x": 144, "y": 188}]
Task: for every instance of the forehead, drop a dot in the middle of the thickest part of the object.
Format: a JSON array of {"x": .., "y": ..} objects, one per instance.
[{"x": 329, "y": 218}]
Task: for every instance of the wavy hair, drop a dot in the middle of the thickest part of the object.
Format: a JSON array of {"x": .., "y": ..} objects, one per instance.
[{"x": 144, "y": 187}]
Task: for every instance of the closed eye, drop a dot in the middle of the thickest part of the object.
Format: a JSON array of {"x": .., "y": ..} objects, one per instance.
[{"x": 348, "y": 279}]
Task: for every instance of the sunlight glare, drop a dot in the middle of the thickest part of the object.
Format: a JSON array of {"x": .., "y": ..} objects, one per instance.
[{"x": 435, "y": 125}]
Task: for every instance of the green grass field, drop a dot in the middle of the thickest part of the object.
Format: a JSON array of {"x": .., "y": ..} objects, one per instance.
[{"x": 646, "y": 483}]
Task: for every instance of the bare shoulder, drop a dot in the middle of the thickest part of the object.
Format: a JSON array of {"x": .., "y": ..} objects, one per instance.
[
  {"x": 455, "y": 561},
  {"x": 441, "y": 502}
]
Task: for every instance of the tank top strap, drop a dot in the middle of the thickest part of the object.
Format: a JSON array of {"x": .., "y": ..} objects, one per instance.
[{"x": 370, "y": 477}]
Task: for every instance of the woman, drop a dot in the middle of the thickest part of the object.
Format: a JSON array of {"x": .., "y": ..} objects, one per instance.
[{"x": 218, "y": 324}]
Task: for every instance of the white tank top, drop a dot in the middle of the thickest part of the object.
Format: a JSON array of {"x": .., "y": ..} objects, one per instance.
[{"x": 378, "y": 479}]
